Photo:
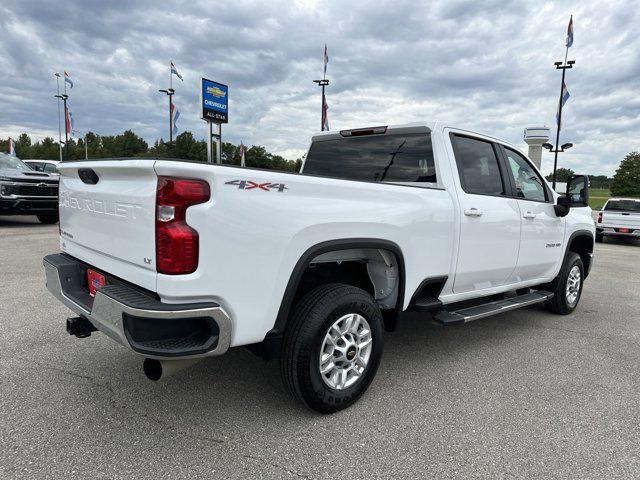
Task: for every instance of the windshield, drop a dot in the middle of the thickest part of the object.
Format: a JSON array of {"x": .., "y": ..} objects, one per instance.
[
  {"x": 623, "y": 206},
  {"x": 379, "y": 158},
  {"x": 8, "y": 161}
]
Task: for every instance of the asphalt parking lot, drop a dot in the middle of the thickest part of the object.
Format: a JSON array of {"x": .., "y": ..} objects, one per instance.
[{"x": 522, "y": 395}]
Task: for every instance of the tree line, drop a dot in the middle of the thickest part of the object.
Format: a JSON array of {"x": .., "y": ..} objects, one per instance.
[
  {"x": 128, "y": 144},
  {"x": 624, "y": 183},
  {"x": 595, "y": 181}
]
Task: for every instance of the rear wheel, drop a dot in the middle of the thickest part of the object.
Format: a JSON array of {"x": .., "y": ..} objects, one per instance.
[
  {"x": 48, "y": 218},
  {"x": 567, "y": 286},
  {"x": 332, "y": 347},
  {"x": 599, "y": 237}
]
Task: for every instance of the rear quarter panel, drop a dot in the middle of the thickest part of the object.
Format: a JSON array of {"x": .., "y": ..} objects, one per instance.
[{"x": 251, "y": 238}]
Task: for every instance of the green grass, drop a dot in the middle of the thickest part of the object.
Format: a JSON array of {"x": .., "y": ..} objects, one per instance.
[{"x": 598, "y": 197}]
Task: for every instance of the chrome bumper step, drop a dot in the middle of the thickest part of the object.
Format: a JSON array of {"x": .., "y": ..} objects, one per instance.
[{"x": 138, "y": 320}]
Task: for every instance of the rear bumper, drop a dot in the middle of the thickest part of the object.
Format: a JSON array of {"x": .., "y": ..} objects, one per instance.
[
  {"x": 613, "y": 231},
  {"x": 136, "y": 319},
  {"x": 28, "y": 206}
]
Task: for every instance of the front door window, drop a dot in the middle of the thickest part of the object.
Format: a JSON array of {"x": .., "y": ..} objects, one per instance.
[{"x": 529, "y": 185}]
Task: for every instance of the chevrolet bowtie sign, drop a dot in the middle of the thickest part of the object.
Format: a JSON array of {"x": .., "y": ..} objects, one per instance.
[{"x": 214, "y": 101}]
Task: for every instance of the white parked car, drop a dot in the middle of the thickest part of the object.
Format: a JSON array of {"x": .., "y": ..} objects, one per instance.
[
  {"x": 47, "y": 166},
  {"x": 620, "y": 217},
  {"x": 178, "y": 261}
]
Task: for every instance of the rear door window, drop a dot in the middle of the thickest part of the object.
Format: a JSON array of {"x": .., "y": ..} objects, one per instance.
[
  {"x": 377, "y": 158},
  {"x": 478, "y": 166}
]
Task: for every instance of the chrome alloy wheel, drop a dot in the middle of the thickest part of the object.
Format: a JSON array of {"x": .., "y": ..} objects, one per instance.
[
  {"x": 573, "y": 285},
  {"x": 345, "y": 351}
]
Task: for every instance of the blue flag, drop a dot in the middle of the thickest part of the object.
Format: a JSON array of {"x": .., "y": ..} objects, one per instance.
[
  {"x": 67, "y": 79},
  {"x": 175, "y": 114},
  {"x": 569, "y": 40},
  {"x": 563, "y": 100},
  {"x": 174, "y": 71}
]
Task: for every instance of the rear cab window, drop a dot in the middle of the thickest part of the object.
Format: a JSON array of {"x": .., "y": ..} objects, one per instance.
[
  {"x": 632, "y": 206},
  {"x": 388, "y": 158}
]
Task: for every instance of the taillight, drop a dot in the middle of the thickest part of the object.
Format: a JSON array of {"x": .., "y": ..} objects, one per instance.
[
  {"x": 177, "y": 242},
  {"x": 599, "y": 217}
]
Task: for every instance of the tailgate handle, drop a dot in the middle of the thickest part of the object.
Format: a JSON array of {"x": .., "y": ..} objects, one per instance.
[{"x": 88, "y": 176}]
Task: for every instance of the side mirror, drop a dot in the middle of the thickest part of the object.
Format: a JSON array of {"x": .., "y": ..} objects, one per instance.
[
  {"x": 562, "y": 208},
  {"x": 577, "y": 195},
  {"x": 578, "y": 191}
]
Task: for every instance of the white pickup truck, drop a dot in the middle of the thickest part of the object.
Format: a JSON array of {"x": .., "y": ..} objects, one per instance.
[
  {"x": 620, "y": 217},
  {"x": 178, "y": 261}
]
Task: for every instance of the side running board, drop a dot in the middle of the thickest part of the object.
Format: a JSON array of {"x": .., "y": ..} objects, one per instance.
[{"x": 470, "y": 314}]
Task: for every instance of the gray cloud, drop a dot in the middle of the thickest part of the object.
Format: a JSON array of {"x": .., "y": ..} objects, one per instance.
[{"x": 485, "y": 65}]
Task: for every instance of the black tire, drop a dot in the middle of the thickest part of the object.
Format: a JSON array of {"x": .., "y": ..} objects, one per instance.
[
  {"x": 559, "y": 303},
  {"x": 304, "y": 335},
  {"x": 599, "y": 238},
  {"x": 48, "y": 218}
]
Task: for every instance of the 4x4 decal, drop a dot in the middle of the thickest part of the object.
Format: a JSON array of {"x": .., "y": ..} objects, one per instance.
[{"x": 249, "y": 185}]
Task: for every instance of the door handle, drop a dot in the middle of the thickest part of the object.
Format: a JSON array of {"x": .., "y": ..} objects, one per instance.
[
  {"x": 473, "y": 212},
  {"x": 529, "y": 215}
]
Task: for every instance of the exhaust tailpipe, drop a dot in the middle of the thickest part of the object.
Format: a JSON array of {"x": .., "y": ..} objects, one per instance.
[{"x": 157, "y": 369}]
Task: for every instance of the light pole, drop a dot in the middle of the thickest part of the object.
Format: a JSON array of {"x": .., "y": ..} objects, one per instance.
[
  {"x": 564, "y": 66},
  {"x": 169, "y": 92},
  {"x": 84, "y": 139},
  {"x": 322, "y": 83},
  {"x": 59, "y": 126},
  {"x": 556, "y": 150},
  {"x": 64, "y": 97}
]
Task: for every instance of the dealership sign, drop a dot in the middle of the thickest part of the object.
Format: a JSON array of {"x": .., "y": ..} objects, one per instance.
[{"x": 214, "y": 101}]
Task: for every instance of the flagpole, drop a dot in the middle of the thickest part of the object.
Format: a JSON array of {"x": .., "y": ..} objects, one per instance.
[{"x": 59, "y": 125}]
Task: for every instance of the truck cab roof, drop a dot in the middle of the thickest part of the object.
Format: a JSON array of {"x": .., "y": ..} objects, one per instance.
[{"x": 405, "y": 128}]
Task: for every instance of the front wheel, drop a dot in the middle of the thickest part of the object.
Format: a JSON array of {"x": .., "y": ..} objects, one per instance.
[
  {"x": 332, "y": 347},
  {"x": 567, "y": 286},
  {"x": 48, "y": 218}
]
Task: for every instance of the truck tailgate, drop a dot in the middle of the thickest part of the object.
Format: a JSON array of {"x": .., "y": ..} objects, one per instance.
[
  {"x": 621, "y": 219},
  {"x": 107, "y": 216}
]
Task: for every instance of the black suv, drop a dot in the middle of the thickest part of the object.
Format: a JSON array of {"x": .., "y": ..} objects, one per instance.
[{"x": 25, "y": 192}]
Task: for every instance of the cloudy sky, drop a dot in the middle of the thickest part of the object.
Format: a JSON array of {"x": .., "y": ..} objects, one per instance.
[{"x": 483, "y": 65}]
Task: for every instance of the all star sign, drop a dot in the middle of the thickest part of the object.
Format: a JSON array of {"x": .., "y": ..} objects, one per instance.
[{"x": 214, "y": 101}]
